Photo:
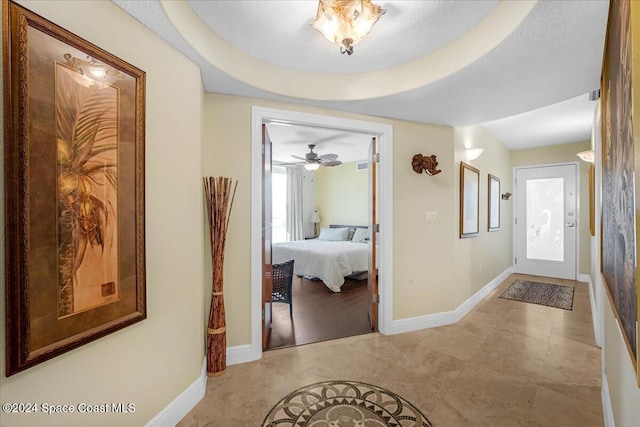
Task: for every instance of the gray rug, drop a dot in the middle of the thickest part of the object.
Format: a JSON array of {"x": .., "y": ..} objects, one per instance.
[
  {"x": 344, "y": 403},
  {"x": 558, "y": 296}
]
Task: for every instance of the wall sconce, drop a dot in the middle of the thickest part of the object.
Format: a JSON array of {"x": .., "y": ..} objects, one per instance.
[
  {"x": 474, "y": 153},
  {"x": 506, "y": 196},
  {"x": 428, "y": 164},
  {"x": 588, "y": 156}
]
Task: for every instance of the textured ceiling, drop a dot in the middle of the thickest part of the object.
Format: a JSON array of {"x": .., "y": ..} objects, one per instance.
[{"x": 526, "y": 84}]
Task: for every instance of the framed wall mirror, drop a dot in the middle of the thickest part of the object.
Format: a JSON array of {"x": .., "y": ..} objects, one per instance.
[
  {"x": 494, "y": 203},
  {"x": 469, "y": 200}
]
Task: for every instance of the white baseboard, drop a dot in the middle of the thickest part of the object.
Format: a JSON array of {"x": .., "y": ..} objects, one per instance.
[
  {"x": 448, "y": 317},
  {"x": 181, "y": 405},
  {"x": 243, "y": 353},
  {"x": 607, "y": 409},
  {"x": 583, "y": 278},
  {"x": 464, "y": 308},
  {"x": 594, "y": 310},
  {"x": 422, "y": 322}
]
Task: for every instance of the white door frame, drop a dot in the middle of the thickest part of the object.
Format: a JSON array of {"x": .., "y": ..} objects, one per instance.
[
  {"x": 384, "y": 132},
  {"x": 578, "y": 218}
]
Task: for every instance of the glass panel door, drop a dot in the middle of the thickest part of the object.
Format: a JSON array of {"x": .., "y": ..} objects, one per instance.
[
  {"x": 545, "y": 211},
  {"x": 546, "y": 221}
]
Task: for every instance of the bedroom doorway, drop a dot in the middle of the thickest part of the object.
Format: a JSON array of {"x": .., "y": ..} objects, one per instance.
[{"x": 357, "y": 287}]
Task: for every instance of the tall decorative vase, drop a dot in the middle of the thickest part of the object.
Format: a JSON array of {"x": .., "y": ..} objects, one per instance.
[{"x": 219, "y": 193}]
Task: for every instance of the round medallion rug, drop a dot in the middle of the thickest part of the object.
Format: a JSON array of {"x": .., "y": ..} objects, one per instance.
[{"x": 344, "y": 403}]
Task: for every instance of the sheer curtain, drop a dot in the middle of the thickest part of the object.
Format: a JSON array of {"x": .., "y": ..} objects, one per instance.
[{"x": 295, "y": 229}]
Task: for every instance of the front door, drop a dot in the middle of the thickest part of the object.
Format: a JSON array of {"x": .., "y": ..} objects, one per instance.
[{"x": 546, "y": 221}]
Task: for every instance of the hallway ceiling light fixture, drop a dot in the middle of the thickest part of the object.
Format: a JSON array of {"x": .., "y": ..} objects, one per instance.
[{"x": 346, "y": 22}]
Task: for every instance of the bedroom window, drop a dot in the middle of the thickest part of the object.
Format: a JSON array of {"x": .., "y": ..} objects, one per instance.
[{"x": 278, "y": 205}]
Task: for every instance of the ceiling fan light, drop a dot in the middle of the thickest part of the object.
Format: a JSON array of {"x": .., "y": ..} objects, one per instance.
[
  {"x": 346, "y": 22},
  {"x": 312, "y": 166}
]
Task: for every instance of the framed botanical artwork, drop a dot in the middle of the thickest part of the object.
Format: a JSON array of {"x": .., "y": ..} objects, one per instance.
[
  {"x": 74, "y": 190},
  {"x": 469, "y": 200},
  {"x": 493, "y": 203}
]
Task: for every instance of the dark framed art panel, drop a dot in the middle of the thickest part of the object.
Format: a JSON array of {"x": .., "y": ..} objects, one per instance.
[
  {"x": 74, "y": 190},
  {"x": 469, "y": 201},
  {"x": 493, "y": 203},
  {"x": 620, "y": 167}
]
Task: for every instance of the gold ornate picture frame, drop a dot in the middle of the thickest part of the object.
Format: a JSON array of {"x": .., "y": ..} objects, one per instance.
[
  {"x": 74, "y": 190},
  {"x": 469, "y": 201},
  {"x": 493, "y": 203}
]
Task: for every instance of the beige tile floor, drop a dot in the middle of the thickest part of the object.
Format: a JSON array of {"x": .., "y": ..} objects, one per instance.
[{"x": 506, "y": 363}]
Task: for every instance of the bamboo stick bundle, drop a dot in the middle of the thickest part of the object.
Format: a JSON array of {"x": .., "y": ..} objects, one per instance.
[{"x": 219, "y": 193}]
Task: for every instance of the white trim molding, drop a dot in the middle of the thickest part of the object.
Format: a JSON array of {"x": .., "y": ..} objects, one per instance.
[
  {"x": 181, "y": 405},
  {"x": 448, "y": 317},
  {"x": 241, "y": 354},
  {"x": 607, "y": 408},
  {"x": 595, "y": 318}
]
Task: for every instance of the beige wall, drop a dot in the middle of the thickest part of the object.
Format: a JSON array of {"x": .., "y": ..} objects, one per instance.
[
  {"x": 342, "y": 195},
  {"x": 480, "y": 259},
  {"x": 620, "y": 373},
  {"x": 561, "y": 154},
  {"x": 423, "y": 277},
  {"x": 152, "y": 362}
]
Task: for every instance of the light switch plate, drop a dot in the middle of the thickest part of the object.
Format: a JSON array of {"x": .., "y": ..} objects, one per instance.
[{"x": 430, "y": 216}]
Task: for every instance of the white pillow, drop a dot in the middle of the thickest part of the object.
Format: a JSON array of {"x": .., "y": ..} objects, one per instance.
[
  {"x": 334, "y": 234},
  {"x": 361, "y": 235}
]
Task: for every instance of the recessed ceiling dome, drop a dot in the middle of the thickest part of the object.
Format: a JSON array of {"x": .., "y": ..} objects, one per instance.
[
  {"x": 447, "y": 62},
  {"x": 472, "y": 45},
  {"x": 408, "y": 31}
]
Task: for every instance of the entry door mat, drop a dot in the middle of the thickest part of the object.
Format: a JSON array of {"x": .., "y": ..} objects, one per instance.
[
  {"x": 558, "y": 296},
  {"x": 342, "y": 403}
]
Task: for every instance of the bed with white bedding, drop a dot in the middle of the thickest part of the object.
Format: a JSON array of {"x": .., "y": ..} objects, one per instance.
[{"x": 328, "y": 260}]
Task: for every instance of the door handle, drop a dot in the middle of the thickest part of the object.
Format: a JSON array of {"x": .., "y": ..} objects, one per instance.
[{"x": 570, "y": 224}]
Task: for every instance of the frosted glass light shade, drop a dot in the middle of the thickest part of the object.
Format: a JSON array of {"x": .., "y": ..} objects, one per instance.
[
  {"x": 346, "y": 22},
  {"x": 474, "y": 153},
  {"x": 587, "y": 156}
]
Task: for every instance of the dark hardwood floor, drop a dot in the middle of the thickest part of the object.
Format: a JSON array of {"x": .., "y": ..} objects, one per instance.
[{"x": 320, "y": 314}]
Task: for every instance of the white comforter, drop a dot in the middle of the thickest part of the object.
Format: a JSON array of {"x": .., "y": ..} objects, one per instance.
[{"x": 330, "y": 261}]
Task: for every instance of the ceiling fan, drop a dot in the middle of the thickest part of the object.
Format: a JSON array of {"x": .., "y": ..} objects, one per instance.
[{"x": 313, "y": 161}]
